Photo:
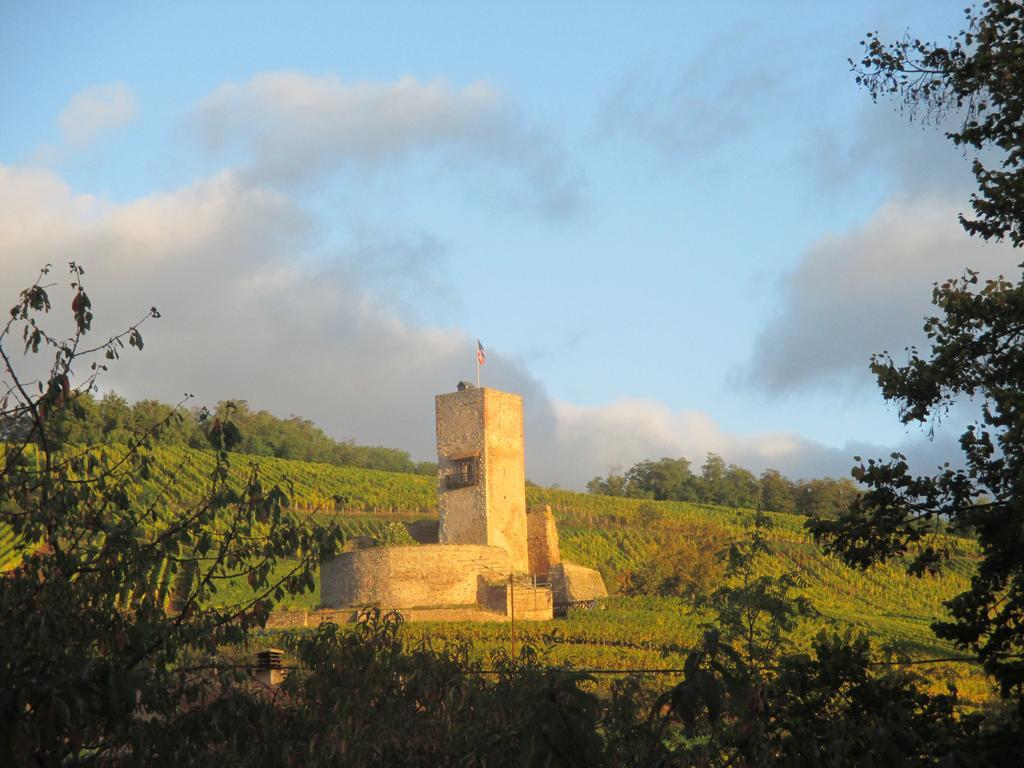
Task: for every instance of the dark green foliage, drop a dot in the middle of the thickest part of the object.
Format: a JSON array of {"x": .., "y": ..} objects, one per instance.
[
  {"x": 613, "y": 485},
  {"x": 661, "y": 480},
  {"x": 94, "y": 666},
  {"x": 976, "y": 78},
  {"x": 976, "y": 351},
  {"x": 778, "y": 493},
  {"x": 394, "y": 534},
  {"x": 827, "y": 708},
  {"x": 749, "y": 699},
  {"x": 823, "y": 497},
  {"x": 360, "y": 699},
  {"x": 685, "y": 564},
  {"x": 264, "y": 434},
  {"x": 755, "y": 610},
  {"x": 112, "y": 420},
  {"x": 727, "y": 485}
]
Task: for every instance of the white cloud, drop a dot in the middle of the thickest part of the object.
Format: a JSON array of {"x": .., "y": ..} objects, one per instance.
[
  {"x": 95, "y": 111},
  {"x": 292, "y": 126},
  {"x": 865, "y": 291},
  {"x": 589, "y": 441},
  {"x": 710, "y": 102},
  {"x": 252, "y": 310},
  {"x": 625, "y": 432},
  {"x": 301, "y": 121},
  {"x": 406, "y": 269}
]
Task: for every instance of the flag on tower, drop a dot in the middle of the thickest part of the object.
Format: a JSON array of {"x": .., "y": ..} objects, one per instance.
[{"x": 480, "y": 357}]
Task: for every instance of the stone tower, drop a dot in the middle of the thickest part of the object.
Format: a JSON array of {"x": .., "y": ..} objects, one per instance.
[{"x": 481, "y": 494}]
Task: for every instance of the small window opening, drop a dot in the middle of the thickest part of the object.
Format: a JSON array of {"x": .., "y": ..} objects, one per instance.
[{"x": 461, "y": 474}]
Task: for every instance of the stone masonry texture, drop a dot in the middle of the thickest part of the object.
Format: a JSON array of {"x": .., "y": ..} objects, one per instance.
[
  {"x": 484, "y": 533},
  {"x": 574, "y": 583},
  {"x": 542, "y": 535},
  {"x": 485, "y": 426},
  {"x": 460, "y": 436},
  {"x": 411, "y": 576}
]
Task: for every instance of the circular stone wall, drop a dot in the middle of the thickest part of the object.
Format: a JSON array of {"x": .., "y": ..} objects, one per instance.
[{"x": 411, "y": 577}]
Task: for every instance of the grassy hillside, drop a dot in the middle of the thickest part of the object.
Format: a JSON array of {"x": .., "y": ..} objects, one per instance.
[{"x": 616, "y": 536}]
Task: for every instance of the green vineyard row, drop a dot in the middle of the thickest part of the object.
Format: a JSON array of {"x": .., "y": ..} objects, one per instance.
[{"x": 615, "y": 535}]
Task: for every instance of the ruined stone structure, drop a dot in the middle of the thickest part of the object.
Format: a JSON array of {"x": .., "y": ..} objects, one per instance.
[
  {"x": 542, "y": 540},
  {"x": 492, "y": 559},
  {"x": 413, "y": 576},
  {"x": 481, "y": 493}
]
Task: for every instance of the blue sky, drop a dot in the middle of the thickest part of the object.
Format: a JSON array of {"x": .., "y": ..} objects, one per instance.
[{"x": 677, "y": 228}]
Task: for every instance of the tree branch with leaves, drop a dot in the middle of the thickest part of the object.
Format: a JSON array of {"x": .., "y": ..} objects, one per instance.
[{"x": 92, "y": 639}]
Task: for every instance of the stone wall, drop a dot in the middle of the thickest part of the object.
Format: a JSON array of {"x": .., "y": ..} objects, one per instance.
[
  {"x": 460, "y": 436},
  {"x": 574, "y": 583},
  {"x": 542, "y": 538},
  {"x": 483, "y": 426},
  {"x": 280, "y": 619},
  {"x": 530, "y": 603},
  {"x": 524, "y": 612},
  {"x": 505, "y": 475},
  {"x": 411, "y": 577},
  {"x": 304, "y": 618},
  {"x": 483, "y": 529},
  {"x": 493, "y": 596}
]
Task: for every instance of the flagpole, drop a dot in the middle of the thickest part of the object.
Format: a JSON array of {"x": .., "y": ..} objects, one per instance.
[{"x": 479, "y": 361}]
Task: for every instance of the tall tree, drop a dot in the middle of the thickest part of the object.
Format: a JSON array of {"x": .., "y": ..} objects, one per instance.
[
  {"x": 776, "y": 491},
  {"x": 660, "y": 480},
  {"x": 976, "y": 349},
  {"x": 96, "y": 669},
  {"x": 825, "y": 497},
  {"x": 613, "y": 485},
  {"x": 741, "y": 487},
  {"x": 712, "y": 476}
]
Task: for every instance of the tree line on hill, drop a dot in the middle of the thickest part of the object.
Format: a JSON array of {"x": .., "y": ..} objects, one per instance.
[
  {"x": 112, "y": 419},
  {"x": 729, "y": 485}
]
